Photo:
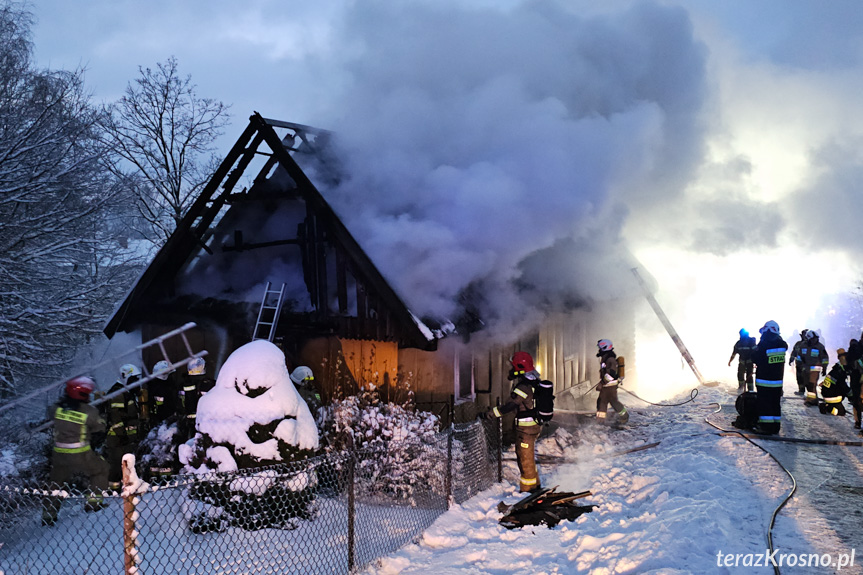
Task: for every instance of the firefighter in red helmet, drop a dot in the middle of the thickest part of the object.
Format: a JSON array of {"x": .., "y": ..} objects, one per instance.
[
  {"x": 527, "y": 429},
  {"x": 77, "y": 427}
]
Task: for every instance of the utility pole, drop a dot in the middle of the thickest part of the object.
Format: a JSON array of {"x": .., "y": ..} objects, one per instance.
[{"x": 668, "y": 327}]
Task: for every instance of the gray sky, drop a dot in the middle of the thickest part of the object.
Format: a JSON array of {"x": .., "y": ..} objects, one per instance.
[{"x": 718, "y": 140}]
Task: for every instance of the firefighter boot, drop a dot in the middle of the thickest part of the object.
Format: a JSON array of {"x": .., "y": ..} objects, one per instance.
[
  {"x": 50, "y": 510},
  {"x": 623, "y": 417},
  {"x": 95, "y": 503}
]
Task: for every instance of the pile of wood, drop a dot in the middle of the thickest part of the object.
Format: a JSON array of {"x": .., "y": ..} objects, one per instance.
[{"x": 543, "y": 507}]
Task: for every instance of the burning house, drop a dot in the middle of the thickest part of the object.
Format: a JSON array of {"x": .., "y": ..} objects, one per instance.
[{"x": 262, "y": 255}]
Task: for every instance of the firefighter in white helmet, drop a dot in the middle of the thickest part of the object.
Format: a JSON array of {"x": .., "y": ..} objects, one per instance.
[
  {"x": 121, "y": 413},
  {"x": 609, "y": 378},
  {"x": 769, "y": 358},
  {"x": 304, "y": 381}
]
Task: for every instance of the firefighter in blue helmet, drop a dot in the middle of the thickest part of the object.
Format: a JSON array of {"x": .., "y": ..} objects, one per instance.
[
  {"x": 527, "y": 429},
  {"x": 769, "y": 358},
  {"x": 743, "y": 349}
]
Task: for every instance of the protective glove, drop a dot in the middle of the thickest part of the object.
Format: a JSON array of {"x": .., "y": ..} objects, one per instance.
[
  {"x": 483, "y": 415},
  {"x": 729, "y": 363}
]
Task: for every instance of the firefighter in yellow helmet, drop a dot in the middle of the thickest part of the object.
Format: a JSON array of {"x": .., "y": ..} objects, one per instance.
[
  {"x": 77, "y": 426},
  {"x": 527, "y": 429}
]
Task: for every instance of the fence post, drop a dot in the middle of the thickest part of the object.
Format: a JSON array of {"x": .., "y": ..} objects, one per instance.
[
  {"x": 130, "y": 543},
  {"x": 449, "y": 451},
  {"x": 351, "y": 509},
  {"x": 499, "y": 430}
]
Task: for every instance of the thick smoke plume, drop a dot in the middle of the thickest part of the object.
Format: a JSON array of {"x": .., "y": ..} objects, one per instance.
[{"x": 480, "y": 145}]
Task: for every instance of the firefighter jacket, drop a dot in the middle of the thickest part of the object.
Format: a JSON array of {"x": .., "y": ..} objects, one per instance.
[
  {"x": 194, "y": 386},
  {"x": 520, "y": 400},
  {"x": 834, "y": 386},
  {"x": 311, "y": 396},
  {"x": 854, "y": 356},
  {"x": 76, "y": 426},
  {"x": 608, "y": 369},
  {"x": 769, "y": 358},
  {"x": 813, "y": 354},
  {"x": 121, "y": 414},
  {"x": 743, "y": 348},
  {"x": 163, "y": 398},
  {"x": 795, "y": 352}
]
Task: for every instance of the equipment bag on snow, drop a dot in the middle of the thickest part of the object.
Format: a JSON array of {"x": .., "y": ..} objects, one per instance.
[
  {"x": 543, "y": 397},
  {"x": 747, "y": 406}
]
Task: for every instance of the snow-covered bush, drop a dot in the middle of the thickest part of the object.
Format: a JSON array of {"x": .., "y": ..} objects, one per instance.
[
  {"x": 250, "y": 421},
  {"x": 159, "y": 448},
  {"x": 399, "y": 445}
]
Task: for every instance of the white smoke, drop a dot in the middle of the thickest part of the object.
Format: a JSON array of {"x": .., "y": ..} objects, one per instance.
[{"x": 474, "y": 138}]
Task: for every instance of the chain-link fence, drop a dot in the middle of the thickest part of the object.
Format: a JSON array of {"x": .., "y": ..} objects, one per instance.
[{"x": 329, "y": 514}]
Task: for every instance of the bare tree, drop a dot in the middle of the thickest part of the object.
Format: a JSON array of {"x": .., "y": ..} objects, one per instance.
[
  {"x": 60, "y": 271},
  {"x": 161, "y": 134}
]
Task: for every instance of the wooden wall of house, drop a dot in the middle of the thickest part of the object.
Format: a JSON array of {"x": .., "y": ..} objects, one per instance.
[
  {"x": 430, "y": 374},
  {"x": 342, "y": 365}
]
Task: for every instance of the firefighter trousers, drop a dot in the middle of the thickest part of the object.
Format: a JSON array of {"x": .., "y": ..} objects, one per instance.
[
  {"x": 608, "y": 395},
  {"x": 813, "y": 374},
  {"x": 64, "y": 466},
  {"x": 802, "y": 377},
  {"x": 769, "y": 407},
  {"x": 525, "y": 455},
  {"x": 744, "y": 374}
]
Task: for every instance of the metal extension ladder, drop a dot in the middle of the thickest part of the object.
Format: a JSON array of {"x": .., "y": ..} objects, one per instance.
[
  {"x": 25, "y": 415},
  {"x": 268, "y": 315}
]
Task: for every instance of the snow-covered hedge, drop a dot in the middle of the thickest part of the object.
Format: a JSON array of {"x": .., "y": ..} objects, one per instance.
[{"x": 401, "y": 449}]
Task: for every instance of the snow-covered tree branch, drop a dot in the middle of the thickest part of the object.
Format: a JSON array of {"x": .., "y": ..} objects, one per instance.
[{"x": 61, "y": 268}]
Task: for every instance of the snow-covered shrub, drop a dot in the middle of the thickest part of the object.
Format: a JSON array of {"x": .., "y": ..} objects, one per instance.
[
  {"x": 159, "y": 448},
  {"x": 250, "y": 421},
  {"x": 399, "y": 446}
]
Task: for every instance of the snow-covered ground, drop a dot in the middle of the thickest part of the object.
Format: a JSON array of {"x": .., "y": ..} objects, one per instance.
[{"x": 679, "y": 507}]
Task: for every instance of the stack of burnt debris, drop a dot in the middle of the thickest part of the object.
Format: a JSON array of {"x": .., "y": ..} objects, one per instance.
[{"x": 543, "y": 507}]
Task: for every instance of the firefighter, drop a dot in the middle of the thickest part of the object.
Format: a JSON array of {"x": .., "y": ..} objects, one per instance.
[
  {"x": 163, "y": 393},
  {"x": 304, "y": 380},
  {"x": 769, "y": 358},
  {"x": 162, "y": 460},
  {"x": 743, "y": 349},
  {"x": 854, "y": 360},
  {"x": 814, "y": 358},
  {"x": 78, "y": 429},
  {"x": 527, "y": 429},
  {"x": 834, "y": 387},
  {"x": 194, "y": 386},
  {"x": 608, "y": 381},
  {"x": 794, "y": 358},
  {"x": 122, "y": 419}
]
